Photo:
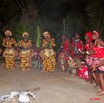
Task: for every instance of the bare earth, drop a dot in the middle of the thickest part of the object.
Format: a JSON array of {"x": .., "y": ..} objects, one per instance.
[{"x": 55, "y": 87}]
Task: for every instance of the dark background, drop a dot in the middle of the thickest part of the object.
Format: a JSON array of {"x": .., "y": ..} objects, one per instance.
[{"x": 56, "y": 16}]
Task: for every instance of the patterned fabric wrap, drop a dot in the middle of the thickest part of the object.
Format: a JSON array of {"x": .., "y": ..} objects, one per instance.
[
  {"x": 9, "y": 55},
  {"x": 48, "y": 55},
  {"x": 49, "y": 63},
  {"x": 9, "y": 43},
  {"x": 97, "y": 61},
  {"x": 83, "y": 72},
  {"x": 25, "y": 58}
]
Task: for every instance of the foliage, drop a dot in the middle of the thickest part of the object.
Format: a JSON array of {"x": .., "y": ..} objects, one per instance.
[
  {"x": 80, "y": 17},
  {"x": 95, "y": 11},
  {"x": 38, "y": 39},
  {"x": 18, "y": 28},
  {"x": 74, "y": 23},
  {"x": 29, "y": 9}
]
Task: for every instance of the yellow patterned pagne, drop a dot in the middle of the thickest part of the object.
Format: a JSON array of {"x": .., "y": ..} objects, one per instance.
[
  {"x": 9, "y": 55},
  {"x": 49, "y": 61},
  {"x": 9, "y": 43},
  {"x": 26, "y": 55},
  {"x": 9, "y": 52},
  {"x": 49, "y": 43},
  {"x": 26, "y": 45}
]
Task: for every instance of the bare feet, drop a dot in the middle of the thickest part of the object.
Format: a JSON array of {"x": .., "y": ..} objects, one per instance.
[{"x": 101, "y": 93}]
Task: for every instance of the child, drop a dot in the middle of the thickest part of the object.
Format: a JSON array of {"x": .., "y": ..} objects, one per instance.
[
  {"x": 62, "y": 61},
  {"x": 36, "y": 60}
]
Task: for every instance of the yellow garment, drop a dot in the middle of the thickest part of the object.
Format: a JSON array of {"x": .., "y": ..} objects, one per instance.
[
  {"x": 48, "y": 44},
  {"x": 9, "y": 55},
  {"x": 48, "y": 58},
  {"x": 25, "y": 56},
  {"x": 26, "y": 45},
  {"x": 49, "y": 53},
  {"x": 9, "y": 43},
  {"x": 49, "y": 63}
]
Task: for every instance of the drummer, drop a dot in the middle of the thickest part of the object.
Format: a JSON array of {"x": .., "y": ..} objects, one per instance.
[
  {"x": 48, "y": 54},
  {"x": 26, "y": 53},
  {"x": 9, "y": 53}
]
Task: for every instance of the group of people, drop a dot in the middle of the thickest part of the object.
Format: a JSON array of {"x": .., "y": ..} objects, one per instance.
[
  {"x": 86, "y": 57},
  {"x": 26, "y": 51}
]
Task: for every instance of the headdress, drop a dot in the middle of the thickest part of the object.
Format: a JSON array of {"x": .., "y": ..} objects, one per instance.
[
  {"x": 46, "y": 34},
  {"x": 96, "y": 33},
  {"x": 25, "y": 34},
  {"x": 89, "y": 34},
  {"x": 8, "y": 32}
]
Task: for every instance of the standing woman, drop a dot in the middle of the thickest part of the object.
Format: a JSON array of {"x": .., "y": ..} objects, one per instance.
[
  {"x": 48, "y": 54},
  {"x": 94, "y": 55},
  {"x": 100, "y": 67},
  {"x": 9, "y": 53},
  {"x": 26, "y": 53}
]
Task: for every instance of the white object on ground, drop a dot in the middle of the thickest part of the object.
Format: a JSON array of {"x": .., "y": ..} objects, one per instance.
[{"x": 22, "y": 96}]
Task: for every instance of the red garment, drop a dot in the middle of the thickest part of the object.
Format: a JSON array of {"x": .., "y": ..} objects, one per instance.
[
  {"x": 87, "y": 45},
  {"x": 83, "y": 72},
  {"x": 89, "y": 34},
  {"x": 80, "y": 46},
  {"x": 95, "y": 49},
  {"x": 66, "y": 45},
  {"x": 99, "y": 52}
]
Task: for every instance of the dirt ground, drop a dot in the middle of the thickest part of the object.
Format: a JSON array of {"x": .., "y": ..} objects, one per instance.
[{"x": 55, "y": 87}]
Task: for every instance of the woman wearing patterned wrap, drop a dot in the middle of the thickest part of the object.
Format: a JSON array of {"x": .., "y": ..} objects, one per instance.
[
  {"x": 26, "y": 53},
  {"x": 48, "y": 55},
  {"x": 9, "y": 53}
]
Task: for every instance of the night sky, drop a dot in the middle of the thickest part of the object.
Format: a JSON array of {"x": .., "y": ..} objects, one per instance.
[
  {"x": 53, "y": 9},
  {"x": 60, "y": 8}
]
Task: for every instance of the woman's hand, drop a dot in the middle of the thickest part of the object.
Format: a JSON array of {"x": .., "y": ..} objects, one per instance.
[{"x": 93, "y": 68}]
